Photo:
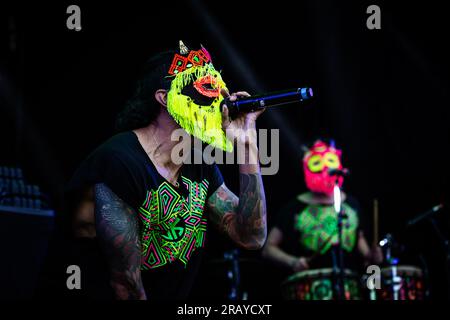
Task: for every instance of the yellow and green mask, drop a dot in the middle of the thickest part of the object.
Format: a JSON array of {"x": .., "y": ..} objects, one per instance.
[{"x": 194, "y": 98}]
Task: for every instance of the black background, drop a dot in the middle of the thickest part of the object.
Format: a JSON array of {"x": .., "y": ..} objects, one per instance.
[{"x": 382, "y": 94}]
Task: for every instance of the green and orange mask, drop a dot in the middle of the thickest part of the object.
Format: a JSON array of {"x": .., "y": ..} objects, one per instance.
[{"x": 194, "y": 98}]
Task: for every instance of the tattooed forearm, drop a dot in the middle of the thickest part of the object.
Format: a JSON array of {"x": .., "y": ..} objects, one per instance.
[
  {"x": 118, "y": 230},
  {"x": 251, "y": 218},
  {"x": 243, "y": 218}
]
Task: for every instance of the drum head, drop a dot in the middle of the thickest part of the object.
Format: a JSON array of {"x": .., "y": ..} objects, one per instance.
[
  {"x": 403, "y": 270},
  {"x": 319, "y": 284},
  {"x": 317, "y": 273}
]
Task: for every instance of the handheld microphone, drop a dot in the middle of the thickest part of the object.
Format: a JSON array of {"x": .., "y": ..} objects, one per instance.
[
  {"x": 338, "y": 172},
  {"x": 253, "y": 103}
]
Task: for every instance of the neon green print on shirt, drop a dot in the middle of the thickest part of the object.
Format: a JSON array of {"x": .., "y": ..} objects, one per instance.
[
  {"x": 172, "y": 227},
  {"x": 317, "y": 224}
]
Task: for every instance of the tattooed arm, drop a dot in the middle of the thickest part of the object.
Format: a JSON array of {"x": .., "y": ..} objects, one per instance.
[
  {"x": 243, "y": 218},
  {"x": 118, "y": 230}
]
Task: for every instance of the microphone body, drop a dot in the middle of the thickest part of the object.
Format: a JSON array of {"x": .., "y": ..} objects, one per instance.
[
  {"x": 338, "y": 172},
  {"x": 253, "y": 103}
]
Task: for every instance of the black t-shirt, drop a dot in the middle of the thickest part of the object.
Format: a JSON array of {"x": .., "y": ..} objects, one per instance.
[
  {"x": 310, "y": 230},
  {"x": 172, "y": 219}
]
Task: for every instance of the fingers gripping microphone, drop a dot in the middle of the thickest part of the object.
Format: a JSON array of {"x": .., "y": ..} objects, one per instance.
[{"x": 253, "y": 103}]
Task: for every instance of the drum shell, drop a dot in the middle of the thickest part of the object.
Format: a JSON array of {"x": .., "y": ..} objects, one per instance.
[
  {"x": 409, "y": 284},
  {"x": 317, "y": 284}
]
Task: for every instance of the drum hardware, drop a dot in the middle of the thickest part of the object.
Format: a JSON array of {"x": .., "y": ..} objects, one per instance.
[
  {"x": 232, "y": 268},
  {"x": 338, "y": 259},
  {"x": 387, "y": 244},
  {"x": 398, "y": 282},
  {"x": 426, "y": 276},
  {"x": 375, "y": 222},
  {"x": 393, "y": 281},
  {"x": 446, "y": 247},
  {"x": 233, "y": 273},
  {"x": 430, "y": 216}
]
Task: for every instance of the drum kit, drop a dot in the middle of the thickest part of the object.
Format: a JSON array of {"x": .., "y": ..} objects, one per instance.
[
  {"x": 391, "y": 281},
  {"x": 319, "y": 284},
  {"x": 394, "y": 281},
  {"x": 401, "y": 282}
]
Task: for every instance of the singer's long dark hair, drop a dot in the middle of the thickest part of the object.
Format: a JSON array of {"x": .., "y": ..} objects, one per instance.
[{"x": 142, "y": 108}]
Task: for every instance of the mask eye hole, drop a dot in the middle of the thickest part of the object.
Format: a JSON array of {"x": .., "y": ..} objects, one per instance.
[
  {"x": 315, "y": 163},
  {"x": 332, "y": 160}
]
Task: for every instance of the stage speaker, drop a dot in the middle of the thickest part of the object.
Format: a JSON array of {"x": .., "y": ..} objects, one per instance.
[{"x": 24, "y": 240}]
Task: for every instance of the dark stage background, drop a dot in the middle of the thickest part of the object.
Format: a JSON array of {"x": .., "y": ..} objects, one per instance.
[{"x": 382, "y": 94}]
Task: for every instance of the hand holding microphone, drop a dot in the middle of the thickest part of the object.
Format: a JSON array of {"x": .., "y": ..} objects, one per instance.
[
  {"x": 240, "y": 127},
  {"x": 240, "y": 110},
  {"x": 248, "y": 104}
]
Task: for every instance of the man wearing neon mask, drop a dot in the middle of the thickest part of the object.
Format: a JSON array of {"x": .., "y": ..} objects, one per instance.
[
  {"x": 149, "y": 212},
  {"x": 305, "y": 235}
]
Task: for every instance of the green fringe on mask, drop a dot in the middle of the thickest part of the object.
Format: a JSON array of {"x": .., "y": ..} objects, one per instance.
[{"x": 203, "y": 122}]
